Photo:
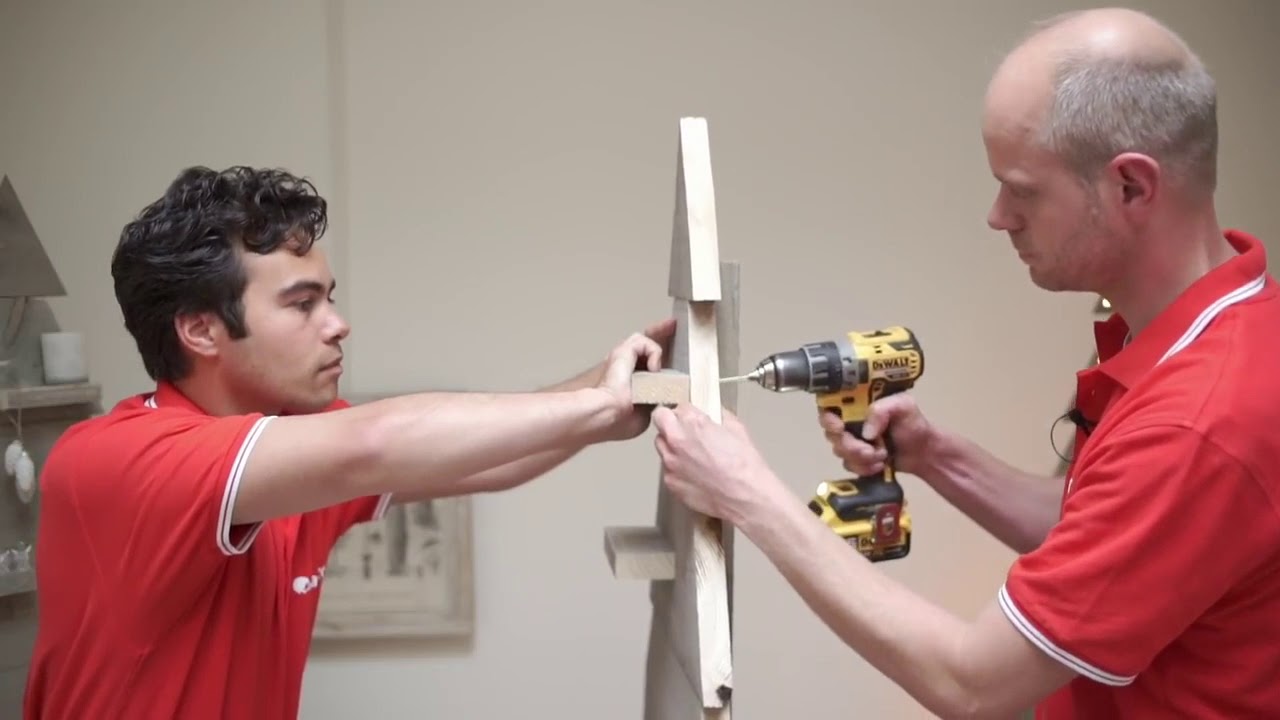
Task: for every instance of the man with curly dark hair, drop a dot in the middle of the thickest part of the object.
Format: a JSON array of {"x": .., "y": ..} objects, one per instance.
[{"x": 184, "y": 534}]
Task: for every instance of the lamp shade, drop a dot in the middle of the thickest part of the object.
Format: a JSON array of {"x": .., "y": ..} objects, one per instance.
[{"x": 25, "y": 269}]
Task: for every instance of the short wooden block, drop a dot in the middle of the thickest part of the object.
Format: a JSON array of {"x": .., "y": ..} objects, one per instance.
[
  {"x": 639, "y": 553},
  {"x": 665, "y": 387}
]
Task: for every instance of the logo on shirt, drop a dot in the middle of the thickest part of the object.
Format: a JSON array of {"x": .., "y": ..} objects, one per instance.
[{"x": 304, "y": 584}]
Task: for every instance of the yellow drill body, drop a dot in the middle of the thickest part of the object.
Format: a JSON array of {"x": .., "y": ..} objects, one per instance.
[{"x": 847, "y": 375}]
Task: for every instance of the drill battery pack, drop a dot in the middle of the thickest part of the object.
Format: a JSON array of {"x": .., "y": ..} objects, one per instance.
[{"x": 869, "y": 513}]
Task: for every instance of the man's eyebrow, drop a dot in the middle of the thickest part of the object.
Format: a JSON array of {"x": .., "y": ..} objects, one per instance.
[
  {"x": 1016, "y": 177},
  {"x": 1016, "y": 183},
  {"x": 307, "y": 286}
]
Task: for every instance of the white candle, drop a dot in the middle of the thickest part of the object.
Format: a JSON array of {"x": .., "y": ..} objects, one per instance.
[{"x": 64, "y": 360}]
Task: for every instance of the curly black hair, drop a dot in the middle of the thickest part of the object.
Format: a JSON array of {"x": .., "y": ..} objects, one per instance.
[{"x": 181, "y": 253}]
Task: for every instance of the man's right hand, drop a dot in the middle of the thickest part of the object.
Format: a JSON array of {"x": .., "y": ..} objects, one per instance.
[
  {"x": 913, "y": 436},
  {"x": 1016, "y": 507}
]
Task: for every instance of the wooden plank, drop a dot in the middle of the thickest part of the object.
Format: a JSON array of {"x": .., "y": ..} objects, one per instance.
[
  {"x": 699, "y": 611},
  {"x": 694, "y": 608},
  {"x": 639, "y": 553},
  {"x": 689, "y": 665},
  {"x": 728, "y": 324},
  {"x": 668, "y": 694},
  {"x": 695, "y": 249},
  {"x": 728, "y": 331}
]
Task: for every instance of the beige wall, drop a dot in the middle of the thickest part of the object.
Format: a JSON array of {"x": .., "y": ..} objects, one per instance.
[{"x": 473, "y": 151}]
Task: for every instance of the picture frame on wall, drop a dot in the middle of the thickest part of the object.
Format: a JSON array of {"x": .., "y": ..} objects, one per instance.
[{"x": 408, "y": 575}]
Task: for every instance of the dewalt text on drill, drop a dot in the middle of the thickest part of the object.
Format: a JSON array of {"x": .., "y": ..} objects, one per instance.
[{"x": 847, "y": 375}]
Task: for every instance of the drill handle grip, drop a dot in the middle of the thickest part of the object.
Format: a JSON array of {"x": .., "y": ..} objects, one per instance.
[{"x": 884, "y": 440}]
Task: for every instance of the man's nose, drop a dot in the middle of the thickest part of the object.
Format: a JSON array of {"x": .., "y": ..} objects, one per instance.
[
  {"x": 995, "y": 216},
  {"x": 1000, "y": 218},
  {"x": 338, "y": 328}
]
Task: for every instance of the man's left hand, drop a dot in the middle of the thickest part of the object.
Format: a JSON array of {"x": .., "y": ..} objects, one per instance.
[
  {"x": 713, "y": 468},
  {"x": 663, "y": 332}
]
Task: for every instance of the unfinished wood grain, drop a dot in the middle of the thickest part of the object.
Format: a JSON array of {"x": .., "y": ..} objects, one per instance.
[
  {"x": 695, "y": 248},
  {"x": 665, "y": 387},
  {"x": 694, "y": 608},
  {"x": 639, "y": 553},
  {"x": 728, "y": 335},
  {"x": 689, "y": 664},
  {"x": 699, "y": 611},
  {"x": 668, "y": 694}
]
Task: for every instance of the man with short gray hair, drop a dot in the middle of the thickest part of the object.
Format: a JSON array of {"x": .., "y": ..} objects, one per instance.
[
  {"x": 1159, "y": 98},
  {"x": 1148, "y": 580}
]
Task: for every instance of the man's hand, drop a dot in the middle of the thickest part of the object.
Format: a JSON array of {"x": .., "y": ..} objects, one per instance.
[
  {"x": 663, "y": 332},
  {"x": 641, "y": 351},
  {"x": 714, "y": 468},
  {"x": 1017, "y": 507},
  {"x": 913, "y": 437}
]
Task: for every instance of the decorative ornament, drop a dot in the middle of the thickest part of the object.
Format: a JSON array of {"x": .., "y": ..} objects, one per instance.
[
  {"x": 11, "y": 454},
  {"x": 25, "y": 475},
  {"x": 19, "y": 466}
]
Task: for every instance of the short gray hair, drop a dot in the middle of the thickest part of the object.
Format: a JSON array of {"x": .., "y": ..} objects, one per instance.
[{"x": 1104, "y": 106}]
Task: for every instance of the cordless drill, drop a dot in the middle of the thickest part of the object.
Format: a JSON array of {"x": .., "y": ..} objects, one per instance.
[{"x": 847, "y": 375}]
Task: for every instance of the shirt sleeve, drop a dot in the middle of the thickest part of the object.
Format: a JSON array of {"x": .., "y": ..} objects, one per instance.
[
  {"x": 156, "y": 493},
  {"x": 1154, "y": 530}
]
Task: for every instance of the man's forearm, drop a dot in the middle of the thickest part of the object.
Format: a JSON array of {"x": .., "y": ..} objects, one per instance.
[
  {"x": 1017, "y": 507},
  {"x": 914, "y": 643},
  {"x": 522, "y": 470},
  {"x": 421, "y": 443},
  {"x": 497, "y": 479},
  {"x": 454, "y": 438},
  {"x": 957, "y": 669}
]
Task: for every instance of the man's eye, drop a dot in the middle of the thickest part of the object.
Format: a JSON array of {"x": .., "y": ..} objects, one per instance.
[{"x": 306, "y": 305}]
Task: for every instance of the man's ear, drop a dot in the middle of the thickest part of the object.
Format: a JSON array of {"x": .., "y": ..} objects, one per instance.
[
  {"x": 1138, "y": 179},
  {"x": 198, "y": 333}
]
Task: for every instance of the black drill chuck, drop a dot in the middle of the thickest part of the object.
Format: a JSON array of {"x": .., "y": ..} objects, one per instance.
[{"x": 816, "y": 368}]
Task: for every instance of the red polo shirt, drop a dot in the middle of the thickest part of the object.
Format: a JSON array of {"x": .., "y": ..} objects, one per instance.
[
  {"x": 151, "y": 603},
  {"x": 1160, "y": 584}
]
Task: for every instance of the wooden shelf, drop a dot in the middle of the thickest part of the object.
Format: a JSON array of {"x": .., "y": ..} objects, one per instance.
[
  {"x": 39, "y": 396},
  {"x": 15, "y": 583}
]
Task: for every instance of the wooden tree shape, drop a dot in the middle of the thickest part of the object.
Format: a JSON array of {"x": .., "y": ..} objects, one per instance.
[{"x": 686, "y": 556}]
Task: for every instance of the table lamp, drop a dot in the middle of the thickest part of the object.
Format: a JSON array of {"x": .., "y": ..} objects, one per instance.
[{"x": 25, "y": 272}]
